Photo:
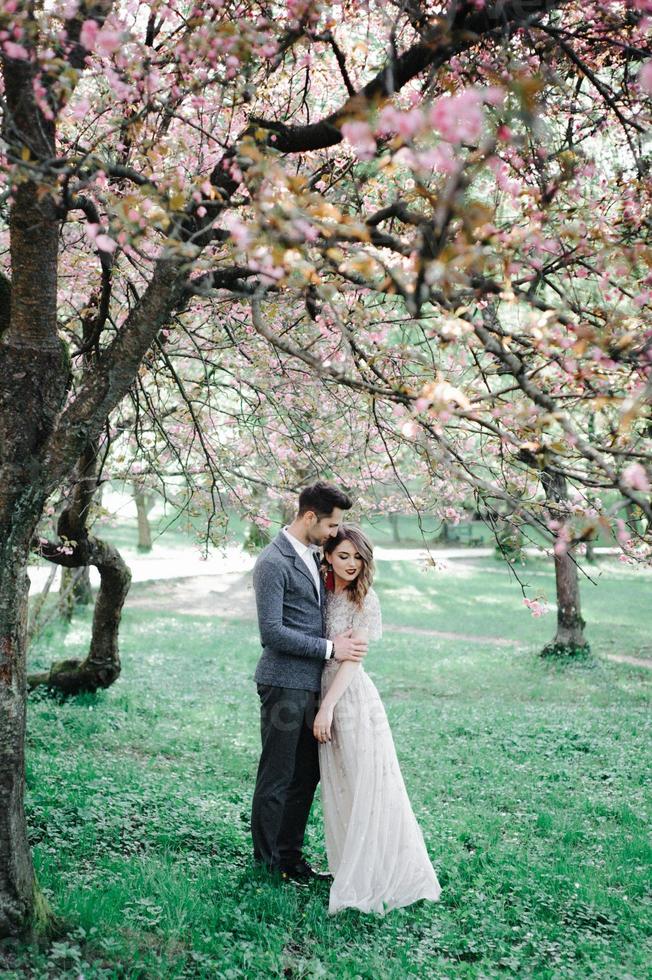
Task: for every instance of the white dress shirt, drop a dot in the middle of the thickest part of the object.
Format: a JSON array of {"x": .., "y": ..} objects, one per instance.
[{"x": 307, "y": 554}]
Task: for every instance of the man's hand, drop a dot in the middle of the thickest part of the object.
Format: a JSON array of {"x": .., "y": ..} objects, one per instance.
[{"x": 348, "y": 647}]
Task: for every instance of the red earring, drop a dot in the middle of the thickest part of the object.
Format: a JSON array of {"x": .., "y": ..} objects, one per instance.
[{"x": 330, "y": 579}]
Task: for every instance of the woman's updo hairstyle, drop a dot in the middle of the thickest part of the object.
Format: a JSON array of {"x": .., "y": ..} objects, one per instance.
[{"x": 360, "y": 586}]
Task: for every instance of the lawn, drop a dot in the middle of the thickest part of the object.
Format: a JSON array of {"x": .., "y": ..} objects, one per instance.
[
  {"x": 482, "y": 597},
  {"x": 528, "y": 778}
]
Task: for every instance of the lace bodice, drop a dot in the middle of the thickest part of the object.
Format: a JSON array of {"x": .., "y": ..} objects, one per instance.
[{"x": 342, "y": 615}]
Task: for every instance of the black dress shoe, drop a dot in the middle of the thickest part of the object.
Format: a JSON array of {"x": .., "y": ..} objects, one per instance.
[{"x": 301, "y": 871}]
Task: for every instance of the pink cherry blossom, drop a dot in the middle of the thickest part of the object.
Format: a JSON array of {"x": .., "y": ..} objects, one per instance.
[
  {"x": 361, "y": 138},
  {"x": 492, "y": 95},
  {"x": 88, "y": 34},
  {"x": 439, "y": 158},
  {"x": 410, "y": 430},
  {"x": 108, "y": 40},
  {"x": 635, "y": 477},
  {"x": 17, "y": 51},
  {"x": 622, "y": 534},
  {"x": 306, "y": 230},
  {"x": 393, "y": 120},
  {"x": 459, "y": 118},
  {"x": 105, "y": 243},
  {"x": 238, "y": 230},
  {"x": 560, "y": 547},
  {"x": 645, "y": 77},
  {"x": 536, "y": 608}
]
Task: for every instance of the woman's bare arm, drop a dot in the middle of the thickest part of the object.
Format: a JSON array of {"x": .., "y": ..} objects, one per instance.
[{"x": 345, "y": 674}]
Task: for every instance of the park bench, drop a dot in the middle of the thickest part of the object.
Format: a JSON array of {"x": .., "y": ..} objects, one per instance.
[{"x": 464, "y": 534}]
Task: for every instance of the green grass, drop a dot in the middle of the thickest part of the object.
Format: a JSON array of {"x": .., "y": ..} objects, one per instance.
[
  {"x": 528, "y": 779},
  {"x": 481, "y": 597}
]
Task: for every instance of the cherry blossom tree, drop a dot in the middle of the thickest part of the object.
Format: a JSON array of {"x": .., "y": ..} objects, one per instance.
[{"x": 431, "y": 220}]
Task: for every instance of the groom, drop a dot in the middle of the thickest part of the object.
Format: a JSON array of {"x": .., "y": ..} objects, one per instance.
[{"x": 290, "y": 603}]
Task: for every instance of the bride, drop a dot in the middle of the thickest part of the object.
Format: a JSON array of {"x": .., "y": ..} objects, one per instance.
[{"x": 375, "y": 847}]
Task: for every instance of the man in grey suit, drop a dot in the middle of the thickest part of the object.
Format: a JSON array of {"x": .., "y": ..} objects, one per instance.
[{"x": 290, "y": 603}]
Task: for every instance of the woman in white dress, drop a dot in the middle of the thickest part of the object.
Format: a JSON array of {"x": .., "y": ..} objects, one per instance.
[{"x": 375, "y": 847}]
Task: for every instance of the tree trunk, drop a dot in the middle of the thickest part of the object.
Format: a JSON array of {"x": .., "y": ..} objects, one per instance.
[
  {"x": 66, "y": 600},
  {"x": 34, "y": 378},
  {"x": 394, "y": 524},
  {"x": 31, "y": 389},
  {"x": 569, "y": 639},
  {"x": 16, "y": 873},
  {"x": 82, "y": 590},
  {"x": 36, "y": 623},
  {"x": 102, "y": 664},
  {"x": 75, "y": 588},
  {"x": 144, "y": 503},
  {"x": 41, "y": 438}
]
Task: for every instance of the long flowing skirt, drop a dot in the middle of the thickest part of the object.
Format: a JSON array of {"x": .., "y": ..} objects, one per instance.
[{"x": 376, "y": 851}]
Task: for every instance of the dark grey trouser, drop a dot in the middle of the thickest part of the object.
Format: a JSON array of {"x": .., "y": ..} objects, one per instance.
[{"x": 288, "y": 774}]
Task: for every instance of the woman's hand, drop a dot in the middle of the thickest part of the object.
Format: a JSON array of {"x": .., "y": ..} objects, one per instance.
[{"x": 323, "y": 724}]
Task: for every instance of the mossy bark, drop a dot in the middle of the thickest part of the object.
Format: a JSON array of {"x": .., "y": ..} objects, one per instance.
[
  {"x": 34, "y": 378},
  {"x": 32, "y": 388},
  {"x": 144, "y": 503},
  {"x": 101, "y": 667},
  {"x": 569, "y": 640}
]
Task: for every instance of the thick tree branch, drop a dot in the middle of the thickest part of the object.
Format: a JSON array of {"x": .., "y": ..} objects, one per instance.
[
  {"x": 102, "y": 664},
  {"x": 469, "y": 28},
  {"x": 5, "y": 302},
  {"x": 115, "y": 369}
]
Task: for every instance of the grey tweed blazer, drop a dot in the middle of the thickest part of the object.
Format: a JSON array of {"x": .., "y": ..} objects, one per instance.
[{"x": 290, "y": 619}]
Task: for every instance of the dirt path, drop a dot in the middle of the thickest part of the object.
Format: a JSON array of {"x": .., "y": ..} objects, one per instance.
[
  {"x": 497, "y": 641},
  {"x": 624, "y": 658},
  {"x": 229, "y": 595}
]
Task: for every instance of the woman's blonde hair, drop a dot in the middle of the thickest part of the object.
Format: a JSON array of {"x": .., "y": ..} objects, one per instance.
[{"x": 359, "y": 587}]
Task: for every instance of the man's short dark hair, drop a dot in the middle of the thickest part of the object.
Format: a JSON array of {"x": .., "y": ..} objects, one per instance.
[{"x": 322, "y": 498}]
